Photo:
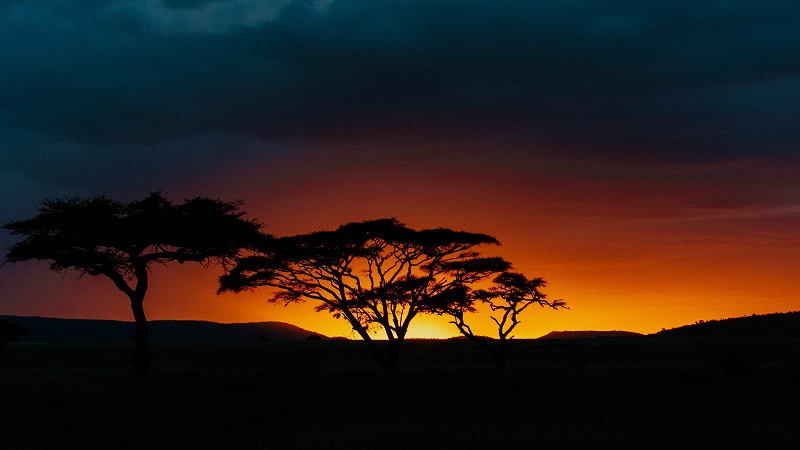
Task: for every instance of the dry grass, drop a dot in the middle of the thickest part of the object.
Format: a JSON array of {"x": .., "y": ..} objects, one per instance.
[{"x": 639, "y": 393}]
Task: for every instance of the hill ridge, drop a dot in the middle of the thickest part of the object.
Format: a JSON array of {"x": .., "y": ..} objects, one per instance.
[
  {"x": 588, "y": 334},
  {"x": 781, "y": 324},
  {"x": 49, "y": 329}
]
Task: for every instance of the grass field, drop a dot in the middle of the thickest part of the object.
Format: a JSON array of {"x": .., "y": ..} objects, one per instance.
[{"x": 623, "y": 393}]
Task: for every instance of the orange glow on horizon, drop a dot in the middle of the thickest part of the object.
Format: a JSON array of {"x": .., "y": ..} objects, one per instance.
[{"x": 636, "y": 254}]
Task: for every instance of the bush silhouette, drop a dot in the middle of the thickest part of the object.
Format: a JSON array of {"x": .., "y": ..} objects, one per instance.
[{"x": 9, "y": 331}]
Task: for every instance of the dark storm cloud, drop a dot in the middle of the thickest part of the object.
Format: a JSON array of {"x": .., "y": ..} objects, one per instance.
[{"x": 684, "y": 78}]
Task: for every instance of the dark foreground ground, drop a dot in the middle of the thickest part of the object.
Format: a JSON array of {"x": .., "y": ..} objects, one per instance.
[{"x": 643, "y": 393}]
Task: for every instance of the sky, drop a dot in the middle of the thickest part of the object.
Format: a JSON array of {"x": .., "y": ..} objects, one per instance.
[{"x": 643, "y": 157}]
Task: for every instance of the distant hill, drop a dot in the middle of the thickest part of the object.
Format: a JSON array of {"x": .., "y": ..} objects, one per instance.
[
  {"x": 44, "y": 329},
  {"x": 767, "y": 325},
  {"x": 587, "y": 334}
]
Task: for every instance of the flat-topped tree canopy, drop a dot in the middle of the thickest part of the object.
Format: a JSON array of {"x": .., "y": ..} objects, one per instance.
[
  {"x": 99, "y": 235},
  {"x": 121, "y": 240},
  {"x": 375, "y": 274},
  {"x": 508, "y": 296}
]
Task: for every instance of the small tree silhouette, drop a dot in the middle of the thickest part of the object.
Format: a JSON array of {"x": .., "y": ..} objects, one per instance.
[
  {"x": 376, "y": 274},
  {"x": 508, "y": 297},
  {"x": 122, "y": 241},
  {"x": 9, "y": 331}
]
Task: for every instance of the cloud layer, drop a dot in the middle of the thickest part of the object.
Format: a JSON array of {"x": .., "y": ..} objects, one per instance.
[{"x": 692, "y": 79}]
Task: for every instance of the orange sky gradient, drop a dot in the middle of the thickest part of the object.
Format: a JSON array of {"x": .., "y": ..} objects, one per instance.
[
  {"x": 648, "y": 250},
  {"x": 642, "y": 157}
]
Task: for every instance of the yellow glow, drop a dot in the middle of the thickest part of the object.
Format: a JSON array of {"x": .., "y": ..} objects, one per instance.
[{"x": 431, "y": 328}]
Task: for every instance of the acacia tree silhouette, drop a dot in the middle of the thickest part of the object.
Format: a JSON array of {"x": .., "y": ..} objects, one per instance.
[
  {"x": 121, "y": 241},
  {"x": 375, "y": 274},
  {"x": 508, "y": 297}
]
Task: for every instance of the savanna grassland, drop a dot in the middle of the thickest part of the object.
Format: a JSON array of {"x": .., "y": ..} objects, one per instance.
[{"x": 648, "y": 392}]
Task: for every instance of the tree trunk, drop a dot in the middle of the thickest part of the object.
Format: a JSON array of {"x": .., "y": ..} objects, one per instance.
[
  {"x": 498, "y": 351},
  {"x": 393, "y": 354},
  {"x": 373, "y": 347},
  {"x": 141, "y": 358}
]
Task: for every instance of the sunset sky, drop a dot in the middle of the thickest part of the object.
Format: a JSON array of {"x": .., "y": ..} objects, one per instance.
[{"x": 642, "y": 157}]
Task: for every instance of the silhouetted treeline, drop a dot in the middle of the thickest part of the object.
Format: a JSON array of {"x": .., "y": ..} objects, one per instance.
[{"x": 768, "y": 325}]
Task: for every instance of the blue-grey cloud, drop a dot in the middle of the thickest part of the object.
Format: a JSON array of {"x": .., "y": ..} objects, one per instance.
[{"x": 683, "y": 79}]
